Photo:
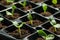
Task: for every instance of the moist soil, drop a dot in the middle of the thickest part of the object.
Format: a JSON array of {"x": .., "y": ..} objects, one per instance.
[
  {"x": 57, "y": 6},
  {"x": 36, "y": 1},
  {"x": 2, "y": 25},
  {"x": 4, "y": 2},
  {"x": 52, "y": 30},
  {"x": 35, "y": 23},
  {"x": 39, "y": 38},
  {"x": 15, "y": 33},
  {"x": 46, "y": 14},
  {"x": 26, "y": 8},
  {"x": 15, "y": 16}
]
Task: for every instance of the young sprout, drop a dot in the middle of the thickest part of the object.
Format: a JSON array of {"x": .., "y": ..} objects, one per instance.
[
  {"x": 44, "y": 35},
  {"x": 1, "y": 19},
  {"x": 44, "y": 6},
  {"x": 29, "y": 16},
  {"x": 18, "y": 26},
  {"x": 23, "y": 4},
  {"x": 54, "y": 2},
  {"x": 54, "y": 23},
  {"x": 8, "y": 1},
  {"x": 11, "y": 13}
]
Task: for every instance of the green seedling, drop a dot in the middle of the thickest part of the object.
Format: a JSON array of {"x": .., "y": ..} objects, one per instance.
[
  {"x": 29, "y": 16},
  {"x": 10, "y": 1},
  {"x": 54, "y": 23},
  {"x": 17, "y": 25},
  {"x": 45, "y": 36},
  {"x": 44, "y": 6},
  {"x": 11, "y": 13},
  {"x": 23, "y": 4},
  {"x": 1, "y": 19},
  {"x": 54, "y": 2}
]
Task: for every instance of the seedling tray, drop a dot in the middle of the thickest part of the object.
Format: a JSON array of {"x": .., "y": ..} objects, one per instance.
[{"x": 8, "y": 31}]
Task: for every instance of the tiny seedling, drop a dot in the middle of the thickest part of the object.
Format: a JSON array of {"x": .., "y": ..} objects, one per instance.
[
  {"x": 10, "y": 1},
  {"x": 11, "y": 13},
  {"x": 44, "y": 6},
  {"x": 29, "y": 16},
  {"x": 45, "y": 36},
  {"x": 23, "y": 4},
  {"x": 18, "y": 26},
  {"x": 54, "y": 23},
  {"x": 54, "y": 2}
]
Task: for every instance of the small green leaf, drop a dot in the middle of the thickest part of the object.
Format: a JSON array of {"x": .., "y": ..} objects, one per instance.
[
  {"x": 50, "y": 37},
  {"x": 41, "y": 33},
  {"x": 8, "y": 13},
  {"x": 23, "y": 4},
  {"x": 1, "y": 19},
  {"x": 29, "y": 16},
  {"x": 10, "y": 0},
  {"x": 15, "y": 23},
  {"x": 13, "y": 8},
  {"x": 54, "y": 2},
  {"x": 52, "y": 20},
  {"x": 44, "y": 7},
  {"x": 57, "y": 26}
]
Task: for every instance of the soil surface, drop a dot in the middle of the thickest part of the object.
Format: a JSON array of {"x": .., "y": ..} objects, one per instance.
[
  {"x": 35, "y": 23},
  {"x": 57, "y": 6},
  {"x": 16, "y": 34},
  {"x": 52, "y": 30},
  {"x": 46, "y": 14},
  {"x": 4, "y": 2},
  {"x": 39, "y": 38},
  {"x": 2, "y": 25},
  {"x": 36, "y": 1},
  {"x": 15, "y": 16},
  {"x": 27, "y": 8}
]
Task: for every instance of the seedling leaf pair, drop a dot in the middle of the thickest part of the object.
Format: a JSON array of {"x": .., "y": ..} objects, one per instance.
[
  {"x": 11, "y": 13},
  {"x": 44, "y": 35},
  {"x": 23, "y": 4},
  {"x": 54, "y": 2},
  {"x": 44, "y": 6},
  {"x": 53, "y": 22},
  {"x": 1, "y": 19}
]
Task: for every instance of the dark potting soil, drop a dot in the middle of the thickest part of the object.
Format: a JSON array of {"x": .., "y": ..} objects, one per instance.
[
  {"x": 15, "y": 33},
  {"x": 39, "y": 38},
  {"x": 35, "y": 23},
  {"x": 57, "y": 6},
  {"x": 2, "y": 25},
  {"x": 4, "y": 2},
  {"x": 15, "y": 16},
  {"x": 46, "y": 14},
  {"x": 52, "y": 30},
  {"x": 27, "y": 7},
  {"x": 36, "y": 1}
]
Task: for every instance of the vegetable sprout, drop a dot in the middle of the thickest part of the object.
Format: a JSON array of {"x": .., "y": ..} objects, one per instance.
[
  {"x": 23, "y": 4},
  {"x": 45, "y": 36},
  {"x": 8, "y": 1},
  {"x": 54, "y": 2},
  {"x": 44, "y": 6},
  {"x": 54, "y": 23},
  {"x": 17, "y": 25}
]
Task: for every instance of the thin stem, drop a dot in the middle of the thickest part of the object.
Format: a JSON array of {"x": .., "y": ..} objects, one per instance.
[
  {"x": 55, "y": 29},
  {"x": 19, "y": 31},
  {"x": 12, "y": 11},
  {"x": 31, "y": 21}
]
